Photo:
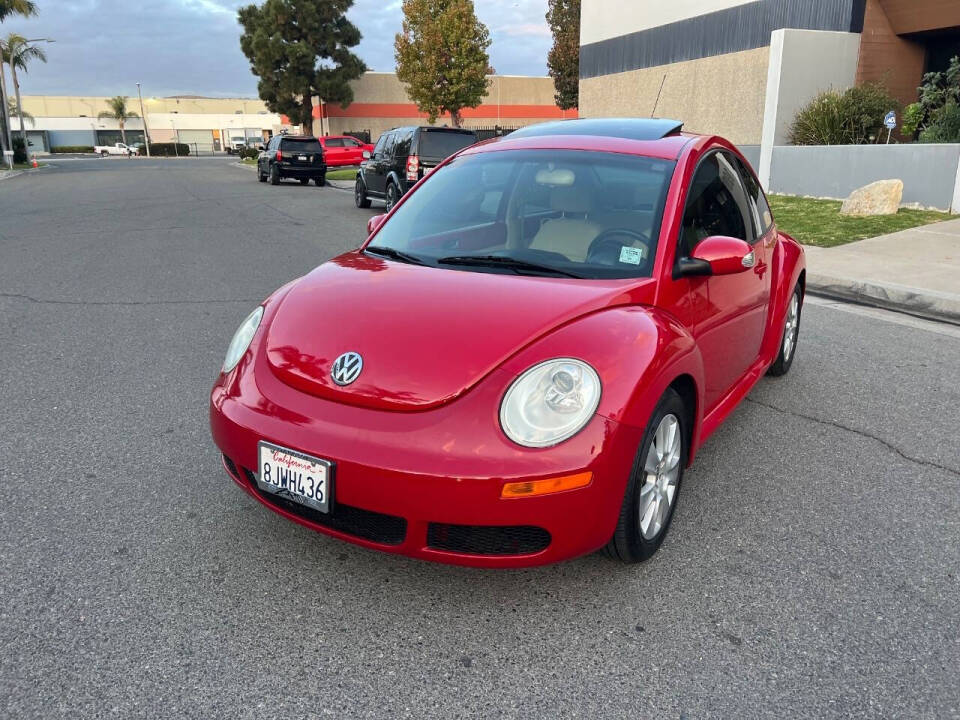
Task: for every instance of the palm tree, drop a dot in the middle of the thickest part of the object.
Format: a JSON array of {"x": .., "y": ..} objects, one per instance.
[
  {"x": 26, "y": 8},
  {"x": 12, "y": 110},
  {"x": 118, "y": 111},
  {"x": 17, "y": 7},
  {"x": 17, "y": 52}
]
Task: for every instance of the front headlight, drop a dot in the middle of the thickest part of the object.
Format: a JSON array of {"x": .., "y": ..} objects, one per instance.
[
  {"x": 550, "y": 402},
  {"x": 242, "y": 339}
]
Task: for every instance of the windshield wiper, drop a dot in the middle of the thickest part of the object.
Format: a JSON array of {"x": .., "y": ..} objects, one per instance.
[
  {"x": 394, "y": 254},
  {"x": 505, "y": 262}
]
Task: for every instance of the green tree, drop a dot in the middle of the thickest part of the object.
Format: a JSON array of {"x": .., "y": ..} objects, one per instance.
[
  {"x": 118, "y": 111},
  {"x": 298, "y": 49},
  {"x": 935, "y": 117},
  {"x": 441, "y": 55},
  {"x": 17, "y": 7},
  {"x": 563, "y": 60},
  {"x": 16, "y": 52}
]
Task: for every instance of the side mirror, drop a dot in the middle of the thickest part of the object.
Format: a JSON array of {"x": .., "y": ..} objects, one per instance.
[
  {"x": 366, "y": 155},
  {"x": 718, "y": 255},
  {"x": 374, "y": 223}
]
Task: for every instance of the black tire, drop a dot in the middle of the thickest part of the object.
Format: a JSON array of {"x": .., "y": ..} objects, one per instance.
[
  {"x": 628, "y": 543},
  {"x": 360, "y": 194},
  {"x": 393, "y": 195},
  {"x": 274, "y": 175},
  {"x": 261, "y": 176},
  {"x": 103, "y": 153},
  {"x": 321, "y": 181},
  {"x": 781, "y": 366},
  {"x": 304, "y": 181}
]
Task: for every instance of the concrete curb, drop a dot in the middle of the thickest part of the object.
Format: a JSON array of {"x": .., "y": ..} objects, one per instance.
[
  {"x": 930, "y": 304},
  {"x": 9, "y": 174},
  {"x": 341, "y": 184}
]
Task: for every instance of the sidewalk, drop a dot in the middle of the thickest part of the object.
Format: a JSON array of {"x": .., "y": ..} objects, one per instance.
[{"x": 915, "y": 271}]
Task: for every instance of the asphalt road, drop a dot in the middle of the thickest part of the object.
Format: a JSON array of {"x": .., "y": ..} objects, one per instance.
[{"x": 811, "y": 570}]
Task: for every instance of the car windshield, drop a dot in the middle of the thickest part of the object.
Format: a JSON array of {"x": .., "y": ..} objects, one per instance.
[
  {"x": 443, "y": 143},
  {"x": 541, "y": 212},
  {"x": 308, "y": 145}
]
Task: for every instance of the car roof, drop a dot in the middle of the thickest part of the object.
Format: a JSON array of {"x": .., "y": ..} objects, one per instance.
[
  {"x": 433, "y": 128},
  {"x": 625, "y": 128}
]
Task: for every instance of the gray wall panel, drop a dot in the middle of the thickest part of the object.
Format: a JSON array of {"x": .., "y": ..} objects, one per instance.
[
  {"x": 60, "y": 138},
  {"x": 744, "y": 27},
  {"x": 929, "y": 172},
  {"x": 752, "y": 154}
]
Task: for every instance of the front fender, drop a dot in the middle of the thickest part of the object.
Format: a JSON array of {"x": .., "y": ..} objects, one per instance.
[
  {"x": 638, "y": 352},
  {"x": 787, "y": 265}
]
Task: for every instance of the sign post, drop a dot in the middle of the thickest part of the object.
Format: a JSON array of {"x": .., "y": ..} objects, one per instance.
[{"x": 890, "y": 122}]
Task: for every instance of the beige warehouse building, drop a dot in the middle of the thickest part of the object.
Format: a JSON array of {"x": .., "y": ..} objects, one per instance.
[{"x": 743, "y": 69}]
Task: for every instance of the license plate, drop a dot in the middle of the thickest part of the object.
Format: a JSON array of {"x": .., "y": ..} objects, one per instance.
[
  {"x": 301, "y": 157},
  {"x": 302, "y": 478}
]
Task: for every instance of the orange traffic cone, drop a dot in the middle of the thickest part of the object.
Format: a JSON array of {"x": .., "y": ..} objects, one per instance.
[{"x": 33, "y": 162}]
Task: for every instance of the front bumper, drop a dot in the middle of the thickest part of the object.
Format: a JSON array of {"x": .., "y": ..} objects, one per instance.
[{"x": 427, "y": 484}]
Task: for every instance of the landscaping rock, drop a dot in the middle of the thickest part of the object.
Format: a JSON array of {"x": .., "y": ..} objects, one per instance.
[{"x": 878, "y": 198}]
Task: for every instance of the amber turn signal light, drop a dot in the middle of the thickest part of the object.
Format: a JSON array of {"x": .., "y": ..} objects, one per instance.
[{"x": 533, "y": 488}]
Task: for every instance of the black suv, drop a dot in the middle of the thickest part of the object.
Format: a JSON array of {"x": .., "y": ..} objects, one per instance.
[
  {"x": 401, "y": 157},
  {"x": 293, "y": 156}
]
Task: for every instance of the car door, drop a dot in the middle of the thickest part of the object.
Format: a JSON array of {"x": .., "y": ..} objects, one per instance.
[
  {"x": 379, "y": 164},
  {"x": 334, "y": 152},
  {"x": 725, "y": 313},
  {"x": 352, "y": 151}
]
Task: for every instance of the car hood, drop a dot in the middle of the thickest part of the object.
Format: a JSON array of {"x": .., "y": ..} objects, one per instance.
[{"x": 426, "y": 335}]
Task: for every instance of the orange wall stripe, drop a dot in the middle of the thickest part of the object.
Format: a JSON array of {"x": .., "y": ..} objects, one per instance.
[{"x": 409, "y": 110}]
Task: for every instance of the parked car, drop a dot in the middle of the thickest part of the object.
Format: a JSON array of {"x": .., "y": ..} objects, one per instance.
[
  {"x": 292, "y": 156},
  {"x": 115, "y": 149},
  {"x": 343, "y": 150},
  {"x": 521, "y": 360},
  {"x": 401, "y": 157}
]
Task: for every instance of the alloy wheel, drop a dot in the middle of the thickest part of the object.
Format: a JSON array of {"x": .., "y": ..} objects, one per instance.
[
  {"x": 791, "y": 327},
  {"x": 661, "y": 475}
]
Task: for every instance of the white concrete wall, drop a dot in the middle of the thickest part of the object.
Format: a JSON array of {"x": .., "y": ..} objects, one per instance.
[
  {"x": 802, "y": 64},
  {"x": 604, "y": 19}
]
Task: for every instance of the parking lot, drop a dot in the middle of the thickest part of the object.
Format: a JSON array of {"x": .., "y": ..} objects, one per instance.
[{"x": 811, "y": 569}]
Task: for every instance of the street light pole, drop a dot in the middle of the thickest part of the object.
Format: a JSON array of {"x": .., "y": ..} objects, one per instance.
[{"x": 143, "y": 115}]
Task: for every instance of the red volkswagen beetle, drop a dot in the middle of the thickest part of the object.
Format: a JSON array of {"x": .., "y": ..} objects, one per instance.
[{"x": 520, "y": 361}]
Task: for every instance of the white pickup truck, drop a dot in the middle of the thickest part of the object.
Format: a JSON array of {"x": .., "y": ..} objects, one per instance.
[{"x": 115, "y": 149}]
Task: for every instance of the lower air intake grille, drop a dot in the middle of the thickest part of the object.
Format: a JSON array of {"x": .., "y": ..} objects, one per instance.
[
  {"x": 365, "y": 524},
  {"x": 487, "y": 539}
]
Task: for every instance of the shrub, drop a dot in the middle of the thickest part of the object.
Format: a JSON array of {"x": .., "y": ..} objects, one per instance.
[
  {"x": 169, "y": 149},
  {"x": 938, "y": 107},
  {"x": 72, "y": 149},
  {"x": 19, "y": 151},
  {"x": 248, "y": 152},
  {"x": 944, "y": 126},
  {"x": 852, "y": 117}
]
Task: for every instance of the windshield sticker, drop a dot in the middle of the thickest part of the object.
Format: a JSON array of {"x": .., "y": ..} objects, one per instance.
[{"x": 631, "y": 255}]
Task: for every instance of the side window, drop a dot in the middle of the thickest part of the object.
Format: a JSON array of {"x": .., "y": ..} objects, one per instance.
[
  {"x": 403, "y": 144},
  {"x": 378, "y": 149},
  {"x": 389, "y": 145},
  {"x": 350, "y": 142},
  {"x": 763, "y": 215},
  {"x": 716, "y": 205},
  {"x": 333, "y": 142}
]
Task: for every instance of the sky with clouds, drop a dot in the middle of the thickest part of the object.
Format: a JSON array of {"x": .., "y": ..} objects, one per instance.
[{"x": 181, "y": 47}]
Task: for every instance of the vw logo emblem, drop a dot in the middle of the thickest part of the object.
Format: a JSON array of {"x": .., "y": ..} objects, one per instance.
[{"x": 346, "y": 368}]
